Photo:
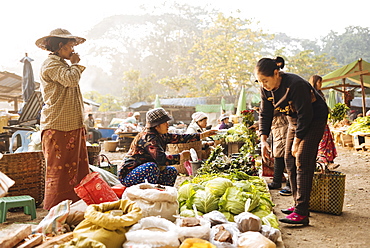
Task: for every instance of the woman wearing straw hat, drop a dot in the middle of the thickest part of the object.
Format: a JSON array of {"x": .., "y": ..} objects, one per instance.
[
  {"x": 147, "y": 158},
  {"x": 62, "y": 124}
]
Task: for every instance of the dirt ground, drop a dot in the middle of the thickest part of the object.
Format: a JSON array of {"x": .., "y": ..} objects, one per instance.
[{"x": 350, "y": 229}]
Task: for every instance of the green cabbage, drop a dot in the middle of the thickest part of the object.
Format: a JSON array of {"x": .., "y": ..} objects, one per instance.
[
  {"x": 189, "y": 213},
  {"x": 186, "y": 191},
  {"x": 204, "y": 201},
  {"x": 218, "y": 185},
  {"x": 233, "y": 200}
]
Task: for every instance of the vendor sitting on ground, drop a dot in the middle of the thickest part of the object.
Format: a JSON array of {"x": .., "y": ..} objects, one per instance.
[
  {"x": 225, "y": 124},
  {"x": 90, "y": 126},
  {"x": 147, "y": 158},
  {"x": 198, "y": 125}
]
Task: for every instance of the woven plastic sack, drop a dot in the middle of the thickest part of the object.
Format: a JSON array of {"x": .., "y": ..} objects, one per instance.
[
  {"x": 153, "y": 232},
  {"x": 108, "y": 222},
  {"x": 94, "y": 190},
  {"x": 327, "y": 193},
  {"x": 154, "y": 200}
]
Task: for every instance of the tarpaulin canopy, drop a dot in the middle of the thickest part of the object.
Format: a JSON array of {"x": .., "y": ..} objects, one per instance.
[
  {"x": 351, "y": 71},
  {"x": 358, "y": 72}
]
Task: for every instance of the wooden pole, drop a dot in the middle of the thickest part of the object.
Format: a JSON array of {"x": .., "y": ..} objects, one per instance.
[
  {"x": 362, "y": 88},
  {"x": 344, "y": 90}
]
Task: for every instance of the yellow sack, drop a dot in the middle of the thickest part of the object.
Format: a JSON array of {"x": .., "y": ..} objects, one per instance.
[
  {"x": 101, "y": 225},
  {"x": 196, "y": 243}
]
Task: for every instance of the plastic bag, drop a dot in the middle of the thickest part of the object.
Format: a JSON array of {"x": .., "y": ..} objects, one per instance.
[
  {"x": 5, "y": 182},
  {"x": 215, "y": 218},
  {"x": 202, "y": 231},
  {"x": 270, "y": 232},
  {"x": 94, "y": 190},
  {"x": 54, "y": 221},
  {"x": 154, "y": 200},
  {"x": 232, "y": 229},
  {"x": 152, "y": 232},
  {"x": 254, "y": 240},
  {"x": 248, "y": 222}
]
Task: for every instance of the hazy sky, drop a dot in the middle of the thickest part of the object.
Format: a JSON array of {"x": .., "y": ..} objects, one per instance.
[{"x": 22, "y": 22}]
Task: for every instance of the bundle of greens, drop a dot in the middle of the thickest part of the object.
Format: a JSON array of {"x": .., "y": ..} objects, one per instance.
[
  {"x": 338, "y": 113},
  {"x": 360, "y": 124},
  {"x": 218, "y": 162}
]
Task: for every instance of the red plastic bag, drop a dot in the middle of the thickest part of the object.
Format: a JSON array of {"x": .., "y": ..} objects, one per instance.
[
  {"x": 188, "y": 168},
  {"x": 94, "y": 190}
]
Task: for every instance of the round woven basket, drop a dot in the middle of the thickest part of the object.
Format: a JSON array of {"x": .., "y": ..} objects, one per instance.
[
  {"x": 27, "y": 169},
  {"x": 177, "y": 148}
]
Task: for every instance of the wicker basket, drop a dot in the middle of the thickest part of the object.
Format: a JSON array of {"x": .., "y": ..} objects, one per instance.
[
  {"x": 93, "y": 154},
  {"x": 177, "y": 148},
  {"x": 27, "y": 169}
]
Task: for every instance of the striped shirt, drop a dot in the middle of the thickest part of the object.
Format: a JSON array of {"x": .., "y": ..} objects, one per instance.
[{"x": 63, "y": 109}]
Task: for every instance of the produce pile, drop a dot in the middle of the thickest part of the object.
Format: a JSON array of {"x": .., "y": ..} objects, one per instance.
[
  {"x": 230, "y": 194},
  {"x": 218, "y": 162},
  {"x": 360, "y": 124},
  {"x": 338, "y": 113},
  {"x": 241, "y": 133}
]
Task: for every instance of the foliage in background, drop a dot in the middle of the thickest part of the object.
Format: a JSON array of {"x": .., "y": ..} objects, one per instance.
[
  {"x": 195, "y": 51},
  {"x": 225, "y": 56},
  {"x": 107, "y": 102},
  {"x": 137, "y": 88}
]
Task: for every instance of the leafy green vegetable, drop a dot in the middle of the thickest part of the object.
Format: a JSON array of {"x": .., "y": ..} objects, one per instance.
[
  {"x": 233, "y": 200},
  {"x": 189, "y": 213},
  {"x": 204, "y": 201},
  {"x": 360, "y": 124},
  {"x": 218, "y": 185}
]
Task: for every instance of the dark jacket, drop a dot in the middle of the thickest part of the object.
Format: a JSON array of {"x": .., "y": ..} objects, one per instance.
[{"x": 296, "y": 98}]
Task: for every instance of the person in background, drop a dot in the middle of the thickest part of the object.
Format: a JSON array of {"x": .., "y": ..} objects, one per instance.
[
  {"x": 90, "y": 126},
  {"x": 327, "y": 151},
  {"x": 353, "y": 114},
  {"x": 225, "y": 124},
  {"x": 62, "y": 122},
  {"x": 307, "y": 114},
  {"x": 134, "y": 119},
  {"x": 198, "y": 124},
  {"x": 147, "y": 158},
  {"x": 279, "y": 129}
]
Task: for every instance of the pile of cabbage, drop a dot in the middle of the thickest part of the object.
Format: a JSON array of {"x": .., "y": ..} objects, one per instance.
[{"x": 231, "y": 194}]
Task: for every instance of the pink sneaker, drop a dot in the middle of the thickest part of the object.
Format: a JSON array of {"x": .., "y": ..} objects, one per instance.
[
  {"x": 295, "y": 218},
  {"x": 288, "y": 210}
]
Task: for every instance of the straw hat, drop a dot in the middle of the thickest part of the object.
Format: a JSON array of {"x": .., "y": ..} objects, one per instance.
[
  {"x": 156, "y": 117},
  {"x": 61, "y": 33}
]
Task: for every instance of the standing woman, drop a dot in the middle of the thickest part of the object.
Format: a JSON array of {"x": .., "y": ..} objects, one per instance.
[
  {"x": 147, "y": 158},
  {"x": 307, "y": 114},
  {"x": 327, "y": 151},
  {"x": 62, "y": 125}
]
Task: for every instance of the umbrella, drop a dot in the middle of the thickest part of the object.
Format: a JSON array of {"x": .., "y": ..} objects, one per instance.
[
  {"x": 223, "y": 105},
  {"x": 242, "y": 102},
  {"x": 157, "y": 102},
  {"x": 28, "y": 83},
  {"x": 332, "y": 99}
]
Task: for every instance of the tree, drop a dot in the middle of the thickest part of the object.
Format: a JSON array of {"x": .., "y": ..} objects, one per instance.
[
  {"x": 137, "y": 89},
  {"x": 306, "y": 64},
  {"x": 353, "y": 44},
  {"x": 226, "y": 56},
  {"x": 107, "y": 102}
]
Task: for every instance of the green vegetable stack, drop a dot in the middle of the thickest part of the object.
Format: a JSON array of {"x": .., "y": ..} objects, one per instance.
[
  {"x": 338, "y": 113},
  {"x": 230, "y": 194},
  {"x": 360, "y": 124}
]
